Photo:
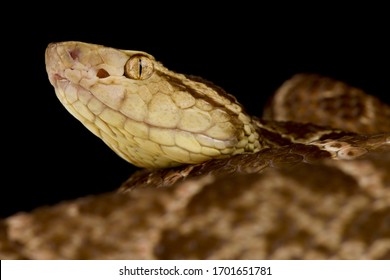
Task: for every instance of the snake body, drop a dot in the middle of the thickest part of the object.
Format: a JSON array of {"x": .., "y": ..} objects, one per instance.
[{"x": 310, "y": 179}]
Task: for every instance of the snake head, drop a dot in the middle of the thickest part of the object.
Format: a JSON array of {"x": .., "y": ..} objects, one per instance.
[{"x": 147, "y": 114}]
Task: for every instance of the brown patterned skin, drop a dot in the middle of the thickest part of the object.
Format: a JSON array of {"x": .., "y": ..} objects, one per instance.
[
  {"x": 315, "y": 193},
  {"x": 327, "y": 210},
  {"x": 310, "y": 98}
]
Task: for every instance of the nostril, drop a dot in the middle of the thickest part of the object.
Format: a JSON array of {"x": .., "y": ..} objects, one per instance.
[
  {"x": 101, "y": 73},
  {"x": 74, "y": 53}
]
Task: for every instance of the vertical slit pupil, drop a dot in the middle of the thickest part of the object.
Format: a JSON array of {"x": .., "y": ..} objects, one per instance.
[{"x": 140, "y": 66}]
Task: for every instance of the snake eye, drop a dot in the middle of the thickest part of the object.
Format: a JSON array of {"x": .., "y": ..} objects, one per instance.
[{"x": 139, "y": 67}]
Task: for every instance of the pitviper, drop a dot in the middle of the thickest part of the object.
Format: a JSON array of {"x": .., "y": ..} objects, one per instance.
[{"x": 310, "y": 179}]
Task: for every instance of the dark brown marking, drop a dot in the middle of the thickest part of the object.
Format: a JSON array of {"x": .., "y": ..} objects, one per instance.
[
  {"x": 175, "y": 82},
  {"x": 101, "y": 73}
]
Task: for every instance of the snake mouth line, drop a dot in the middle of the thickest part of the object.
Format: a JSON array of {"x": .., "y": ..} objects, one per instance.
[{"x": 58, "y": 78}]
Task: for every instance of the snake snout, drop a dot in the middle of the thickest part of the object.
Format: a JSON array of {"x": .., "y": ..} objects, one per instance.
[
  {"x": 59, "y": 57},
  {"x": 54, "y": 63},
  {"x": 50, "y": 54}
]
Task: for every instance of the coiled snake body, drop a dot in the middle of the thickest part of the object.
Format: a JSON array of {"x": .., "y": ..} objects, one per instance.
[{"x": 308, "y": 180}]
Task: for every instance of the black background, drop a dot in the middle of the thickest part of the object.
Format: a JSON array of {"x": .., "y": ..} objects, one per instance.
[{"x": 48, "y": 156}]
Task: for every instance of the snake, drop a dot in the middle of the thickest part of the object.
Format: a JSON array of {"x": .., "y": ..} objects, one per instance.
[
  {"x": 308, "y": 179},
  {"x": 156, "y": 118}
]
